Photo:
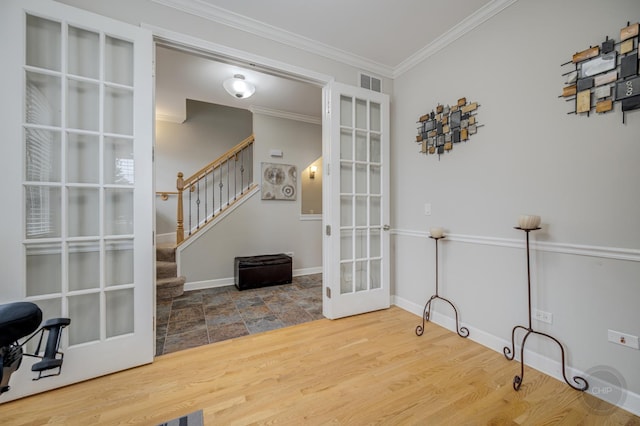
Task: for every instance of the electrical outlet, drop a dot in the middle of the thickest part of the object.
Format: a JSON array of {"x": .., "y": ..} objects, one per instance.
[
  {"x": 543, "y": 316},
  {"x": 623, "y": 339},
  {"x": 427, "y": 209}
]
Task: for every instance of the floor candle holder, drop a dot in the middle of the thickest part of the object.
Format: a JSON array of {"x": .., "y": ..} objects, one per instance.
[
  {"x": 426, "y": 315},
  {"x": 509, "y": 353}
]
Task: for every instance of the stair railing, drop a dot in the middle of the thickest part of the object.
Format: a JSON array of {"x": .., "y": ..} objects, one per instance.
[{"x": 214, "y": 188}]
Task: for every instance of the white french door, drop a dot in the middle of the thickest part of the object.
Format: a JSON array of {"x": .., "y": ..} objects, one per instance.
[
  {"x": 76, "y": 121},
  {"x": 356, "y": 241}
]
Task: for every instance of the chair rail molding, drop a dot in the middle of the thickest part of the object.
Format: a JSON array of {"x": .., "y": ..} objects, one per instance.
[{"x": 617, "y": 253}]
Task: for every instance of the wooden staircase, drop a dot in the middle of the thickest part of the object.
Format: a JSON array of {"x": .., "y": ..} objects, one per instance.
[{"x": 168, "y": 283}]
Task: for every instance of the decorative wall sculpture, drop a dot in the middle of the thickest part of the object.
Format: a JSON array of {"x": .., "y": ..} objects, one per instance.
[
  {"x": 279, "y": 181},
  {"x": 445, "y": 126},
  {"x": 605, "y": 74}
]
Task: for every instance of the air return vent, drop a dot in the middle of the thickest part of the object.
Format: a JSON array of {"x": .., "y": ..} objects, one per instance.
[{"x": 370, "y": 83}]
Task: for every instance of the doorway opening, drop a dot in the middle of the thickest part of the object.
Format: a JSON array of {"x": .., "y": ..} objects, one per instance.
[{"x": 217, "y": 311}]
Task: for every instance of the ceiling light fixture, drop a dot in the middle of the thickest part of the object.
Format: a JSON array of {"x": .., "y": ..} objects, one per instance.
[{"x": 238, "y": 87}]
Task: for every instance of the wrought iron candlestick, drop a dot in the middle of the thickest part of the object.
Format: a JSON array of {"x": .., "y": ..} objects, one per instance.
[
  {"x": 462, "y": 331},
  {"x": 509, "y": 353}
]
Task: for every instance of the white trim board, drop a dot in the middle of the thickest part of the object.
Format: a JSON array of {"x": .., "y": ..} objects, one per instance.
[
  {"x": 223, "y": 282},
  {"x": 225, "y": 53},
  {"x": 548, "y": 366},
  {"x": 632, "y": 255},
  {"x": 285, "y": 114},
  {"x": 261, "y": 29}
]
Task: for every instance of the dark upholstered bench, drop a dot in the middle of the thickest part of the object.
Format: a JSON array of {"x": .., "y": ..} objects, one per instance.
[{"x": 261, "y": 271}]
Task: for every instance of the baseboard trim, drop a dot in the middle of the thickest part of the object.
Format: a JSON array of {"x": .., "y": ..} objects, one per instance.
[
  {"x": 223, "y": 282},
  {"x": 629, "y": 401}
]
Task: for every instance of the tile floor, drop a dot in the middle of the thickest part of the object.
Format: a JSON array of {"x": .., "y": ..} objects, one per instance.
[{"x": 205, "y": 316}]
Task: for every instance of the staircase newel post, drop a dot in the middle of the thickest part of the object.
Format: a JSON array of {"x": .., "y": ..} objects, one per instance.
[{"x": 180, "y": 227}]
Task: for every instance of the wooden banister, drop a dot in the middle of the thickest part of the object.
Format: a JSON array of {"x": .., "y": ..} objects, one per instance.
[
  {"x": 192, "y": 183},
  {"x": 233, "y": 152}
]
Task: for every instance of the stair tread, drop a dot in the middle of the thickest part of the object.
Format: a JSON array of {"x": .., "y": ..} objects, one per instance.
[{"x": 165, "y": 281}]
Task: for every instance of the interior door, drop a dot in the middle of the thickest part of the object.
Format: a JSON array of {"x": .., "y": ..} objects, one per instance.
[
  {"x": 356, "y": 245},
  {"x": 76, "y": 124}
]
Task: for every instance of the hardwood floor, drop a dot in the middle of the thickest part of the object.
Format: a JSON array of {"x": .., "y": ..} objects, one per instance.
[{"x": 368, "y": 369}]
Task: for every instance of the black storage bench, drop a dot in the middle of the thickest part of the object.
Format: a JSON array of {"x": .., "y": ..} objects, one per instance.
[{"x": 261, "y": 271}]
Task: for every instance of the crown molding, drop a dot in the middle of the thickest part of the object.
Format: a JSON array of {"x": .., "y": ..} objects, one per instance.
[
  {"x": 285, "y": 114},
  {"x": 483, "y": 14},
  {"x": 261, "y": 29}
]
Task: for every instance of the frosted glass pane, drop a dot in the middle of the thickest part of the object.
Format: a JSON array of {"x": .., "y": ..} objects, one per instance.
[
  {"x": 44, "y": 274},
  {"x": 374, "y": 115},
  {"x": 376, "y": 274},
  {"x": 346, "y": 211},
  {"x": 346, "y": 144},
  {"x": 374, "y": 148},
  {"x": 361, "y": 146},
  {"x": 42, "y": 155},
  {"x": 375, "y": 243},
  {"x": 42, "y": 99},
  {"x": 361, "y": 113},
  {"x": 118, "y": 211},
  {"x": 346, "y": 106},
  {"x": 346, "y": 178},
  {"x": 119, "y": 305},
  {"x": 361, "y": 179},
  {"x": 43, "y": 211},
  {"x": 83, "y": 209},
  {"x": 361, "y": 243},
  {"x": 346, "y": 244},
  {"x": 43, "y": 43},
  {"x": 82, "y": 105},
  {"x": 375, "y": 212},
  {"x": 84, "y": 311},
  {"x": 84, "y": 266},
  {"x": 346, "y": 278},
  {"x": 118, "y": 161},
  {"x": 361, "y": 276},
  {"x": 118, "y": 61},
  {"x": 83, "y": 158},
  {"x": 375, "y": 180},
  {"x": 118, "y": 262},
  {"x": 84, "y": 53},
  {"x": 361, "y": 211},
  {"x": 118, "y": 111}
]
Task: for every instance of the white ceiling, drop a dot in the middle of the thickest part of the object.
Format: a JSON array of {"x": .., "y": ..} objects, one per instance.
[{"x": 382, "y": 37}]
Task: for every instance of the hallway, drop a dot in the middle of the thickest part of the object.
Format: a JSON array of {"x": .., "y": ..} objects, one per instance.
[{"x": 201, "y": 317}]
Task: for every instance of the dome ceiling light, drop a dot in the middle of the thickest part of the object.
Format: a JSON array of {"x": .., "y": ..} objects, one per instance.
[{"x": 238, "y": 87}]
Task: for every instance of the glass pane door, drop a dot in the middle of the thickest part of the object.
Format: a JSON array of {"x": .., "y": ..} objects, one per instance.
[
  {"x": 79, "y": 235},
  {"x": 358, "y": 260},
  {"x": 79, "y": 227},
  {"x": 360, "y": 197}
]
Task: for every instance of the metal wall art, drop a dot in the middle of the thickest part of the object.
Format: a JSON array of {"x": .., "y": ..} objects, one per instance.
[
  {"x": 605, "y": 74},
  {"x": 279, "y": 181},
  {"x": 445, "y": 126}
]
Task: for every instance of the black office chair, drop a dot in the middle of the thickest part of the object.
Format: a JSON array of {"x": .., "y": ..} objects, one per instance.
[{"x": 18, "y": 320}]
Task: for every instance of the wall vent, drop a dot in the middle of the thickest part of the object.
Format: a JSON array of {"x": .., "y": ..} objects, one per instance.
[{"x": 370, "y": 83}]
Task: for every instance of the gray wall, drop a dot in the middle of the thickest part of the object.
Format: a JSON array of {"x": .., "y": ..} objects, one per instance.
[
  {"x": 262, "y": 226},
  {"x": 208, "y": 132},
  {"x": 579, "y": 173}
]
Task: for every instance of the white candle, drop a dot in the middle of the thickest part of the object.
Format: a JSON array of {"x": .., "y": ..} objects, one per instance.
[
  {"x": 529, "y": 221},
  {"x": 436, "y": 232}
]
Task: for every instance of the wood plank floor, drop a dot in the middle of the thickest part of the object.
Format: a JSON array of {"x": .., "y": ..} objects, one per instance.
[{"x": 368, "y": 369}]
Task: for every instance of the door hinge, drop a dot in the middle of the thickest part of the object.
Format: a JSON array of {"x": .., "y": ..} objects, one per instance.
[
  {"x": 328, "y": 230},
  {"x": 328, "y": 292}
]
